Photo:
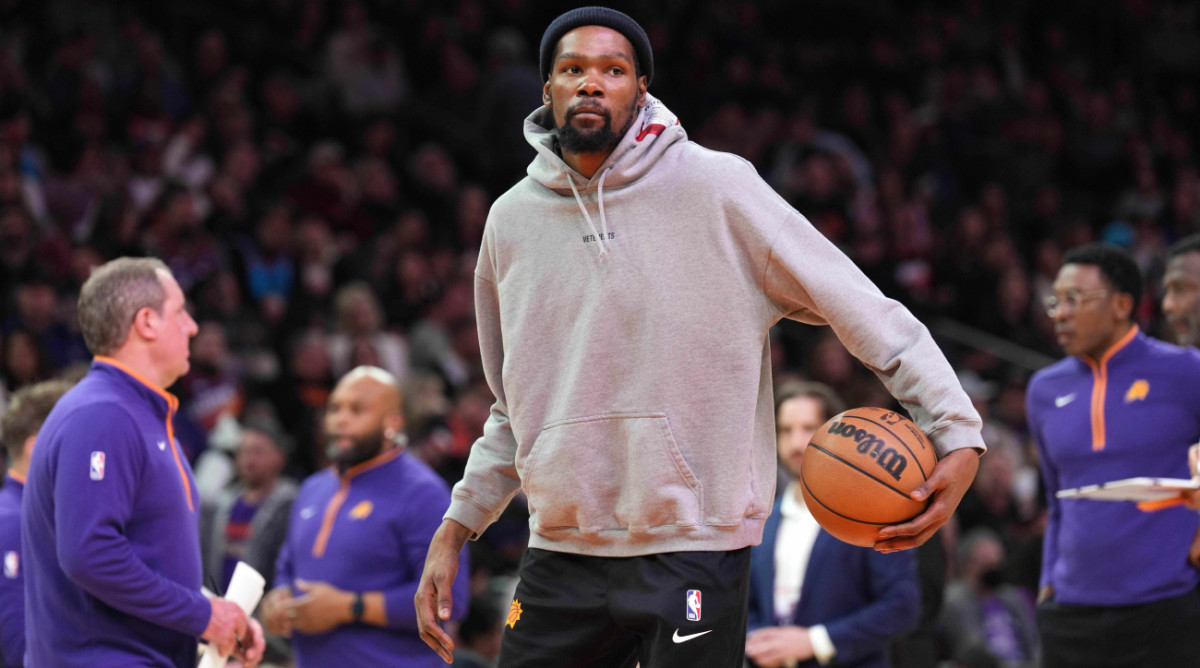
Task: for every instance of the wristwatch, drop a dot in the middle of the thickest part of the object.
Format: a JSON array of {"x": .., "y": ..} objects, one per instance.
[{"x": 356, "y": 608}]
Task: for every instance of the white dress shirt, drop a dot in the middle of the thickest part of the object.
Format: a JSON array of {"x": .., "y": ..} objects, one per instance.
[{"x": 793, "y": 547}]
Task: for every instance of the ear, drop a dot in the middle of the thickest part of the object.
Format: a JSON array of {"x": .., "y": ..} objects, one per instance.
[
  {"x": 1123, "y": 306},
  {"x": 641, "y": 94},
  {"x": 546, "y": 99},
  {"x": 145, "y": 324},
  {"x": 393, "y": 425}
]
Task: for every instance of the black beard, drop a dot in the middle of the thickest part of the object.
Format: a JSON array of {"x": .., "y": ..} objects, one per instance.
[
  {"x": 596, "y": 140},
  {"x": 362, "y": 449}
]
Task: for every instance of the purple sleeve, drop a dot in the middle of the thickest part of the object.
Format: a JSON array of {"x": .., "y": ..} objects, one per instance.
[
  {"x": 284, "y": 572},
  {"x": 90, "y": 518},
  {"x": 418, "y": 529},
  {"x": 1050, "y": 480}
]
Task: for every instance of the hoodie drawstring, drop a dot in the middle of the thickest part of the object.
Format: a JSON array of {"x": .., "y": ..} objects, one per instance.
[{"x": 603, "y": 221}]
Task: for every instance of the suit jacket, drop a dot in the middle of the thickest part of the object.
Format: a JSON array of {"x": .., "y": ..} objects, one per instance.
[{"x": 864, "y": 599}]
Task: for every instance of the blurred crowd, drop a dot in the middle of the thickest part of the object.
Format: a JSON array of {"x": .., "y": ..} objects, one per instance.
[{"x": 317, "y": 175}]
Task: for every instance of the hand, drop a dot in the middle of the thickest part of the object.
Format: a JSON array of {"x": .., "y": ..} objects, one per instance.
[
  {"x": 250, "y": 652},
  {"x": 777, "y": 646},
  {"x": 433, "y": 599},
  {"x": 321, "y": 607},
  {"x": 950, "y": 479},
  {"x": 275, "y": 611},
  {"x": 226, "y": 624}
]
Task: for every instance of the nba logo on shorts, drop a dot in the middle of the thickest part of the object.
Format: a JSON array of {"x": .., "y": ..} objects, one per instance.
[
  {"x": 693, "y": 605},
  {"x": 11, "y": 565},
  {"x": 97, "y": 471}
]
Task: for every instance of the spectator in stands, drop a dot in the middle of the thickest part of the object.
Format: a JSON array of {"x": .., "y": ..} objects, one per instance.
[
  {"x": 985, "y": 614},
  {"x": 23, "y": 361},
  {"x": 360, "y": 325},
  {"x": 247, "y": 521},
  {"x": 37, "y": 315}
]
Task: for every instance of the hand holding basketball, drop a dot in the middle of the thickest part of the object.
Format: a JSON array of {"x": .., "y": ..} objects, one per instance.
[
  {"x": 860, "y": 470},
  {"x": 871, "y": 478},
  {"x": 950, "y": 480}
]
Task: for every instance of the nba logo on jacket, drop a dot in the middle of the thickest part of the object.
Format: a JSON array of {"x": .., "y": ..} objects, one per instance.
[
  {"x": 693, "y": 605},
  {"x": 97, "y": 471}
]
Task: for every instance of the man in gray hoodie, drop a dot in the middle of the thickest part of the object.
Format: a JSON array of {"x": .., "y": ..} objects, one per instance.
[{"x": 624, "y": 294}]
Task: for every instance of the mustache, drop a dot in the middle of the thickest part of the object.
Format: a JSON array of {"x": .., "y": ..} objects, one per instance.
[{"x": 587, "y": 107}]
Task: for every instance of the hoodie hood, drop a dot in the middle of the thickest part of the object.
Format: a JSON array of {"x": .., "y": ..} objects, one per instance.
[{"x": 652, "y": 132}]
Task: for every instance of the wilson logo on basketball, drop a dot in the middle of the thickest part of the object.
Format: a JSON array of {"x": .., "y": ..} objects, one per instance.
[{"x": 888, "y": 458}]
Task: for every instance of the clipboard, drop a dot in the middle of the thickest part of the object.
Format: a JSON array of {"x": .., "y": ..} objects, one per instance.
[{"x": 1149, "y": 493}]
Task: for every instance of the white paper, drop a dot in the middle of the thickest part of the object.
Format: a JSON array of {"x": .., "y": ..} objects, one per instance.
[
  {"x": 1132, "y": 489},
  {"x": 245, "y": 589}
]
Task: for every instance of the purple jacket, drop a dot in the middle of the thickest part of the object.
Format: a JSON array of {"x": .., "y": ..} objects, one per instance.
[
  {"x": 369, "y": 530},
  {"x": 12, "y": 581},
  {"x": 110, "y": 530},
  {"x": 1133, "y": 413}
]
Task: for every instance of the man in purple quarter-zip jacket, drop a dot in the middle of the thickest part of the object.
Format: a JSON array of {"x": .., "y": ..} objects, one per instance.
[
  {"x": 1116, "y": 587},
  {"x": 23, "y": 417},
  {"x": 357, "y": 539},
  {"x": 109, "y": 523}
]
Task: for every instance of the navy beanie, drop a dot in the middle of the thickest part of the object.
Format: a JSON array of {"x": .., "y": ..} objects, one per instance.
[{"x": 598, "y": 16}]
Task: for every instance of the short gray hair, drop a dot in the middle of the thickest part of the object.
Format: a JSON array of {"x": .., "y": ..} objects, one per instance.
[{"x": 112, "y": 297}]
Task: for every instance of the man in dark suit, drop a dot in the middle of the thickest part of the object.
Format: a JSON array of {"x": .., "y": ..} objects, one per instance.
[{"x": 814, "y": 599}]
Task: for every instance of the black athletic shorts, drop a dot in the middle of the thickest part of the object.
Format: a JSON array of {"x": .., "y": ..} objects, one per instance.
[{"x": 671, "y": 610}]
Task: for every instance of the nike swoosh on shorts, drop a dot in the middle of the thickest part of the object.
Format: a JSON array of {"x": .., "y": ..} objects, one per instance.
[{"x": 678, "y": 638}]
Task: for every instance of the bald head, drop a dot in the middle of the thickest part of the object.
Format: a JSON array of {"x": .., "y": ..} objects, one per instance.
[
  {"x": 374, "y": 381},
  {"x": 364, "y": 416}
]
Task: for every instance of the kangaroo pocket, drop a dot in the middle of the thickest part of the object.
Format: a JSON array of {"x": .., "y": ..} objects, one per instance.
[{"x": 613, "y": 471}]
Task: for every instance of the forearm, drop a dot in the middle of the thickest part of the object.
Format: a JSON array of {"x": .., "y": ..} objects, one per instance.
[{"x": 116, "y": 576}]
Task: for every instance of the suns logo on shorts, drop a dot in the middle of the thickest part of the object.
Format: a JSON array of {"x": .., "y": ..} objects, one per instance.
[
  {"x": 1137, "y": 391},
  {"x": 514, "y": 613}
]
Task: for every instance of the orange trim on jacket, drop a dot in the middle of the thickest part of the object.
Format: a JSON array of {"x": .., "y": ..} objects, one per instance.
[
  {"x": 335, "y": 503},
  {"x": 172, "y": 408},
  {"x": 1100, "y": 386}
]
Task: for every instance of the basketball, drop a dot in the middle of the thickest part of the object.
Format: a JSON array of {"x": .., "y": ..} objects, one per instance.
[{"x": 859, "y": 470}]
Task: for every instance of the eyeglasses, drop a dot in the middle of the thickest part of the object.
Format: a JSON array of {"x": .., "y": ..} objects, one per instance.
[{"x": 1071, "y": 299}]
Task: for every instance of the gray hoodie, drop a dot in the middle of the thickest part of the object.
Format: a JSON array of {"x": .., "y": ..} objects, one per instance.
[{"x": 623, "y": 325}]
